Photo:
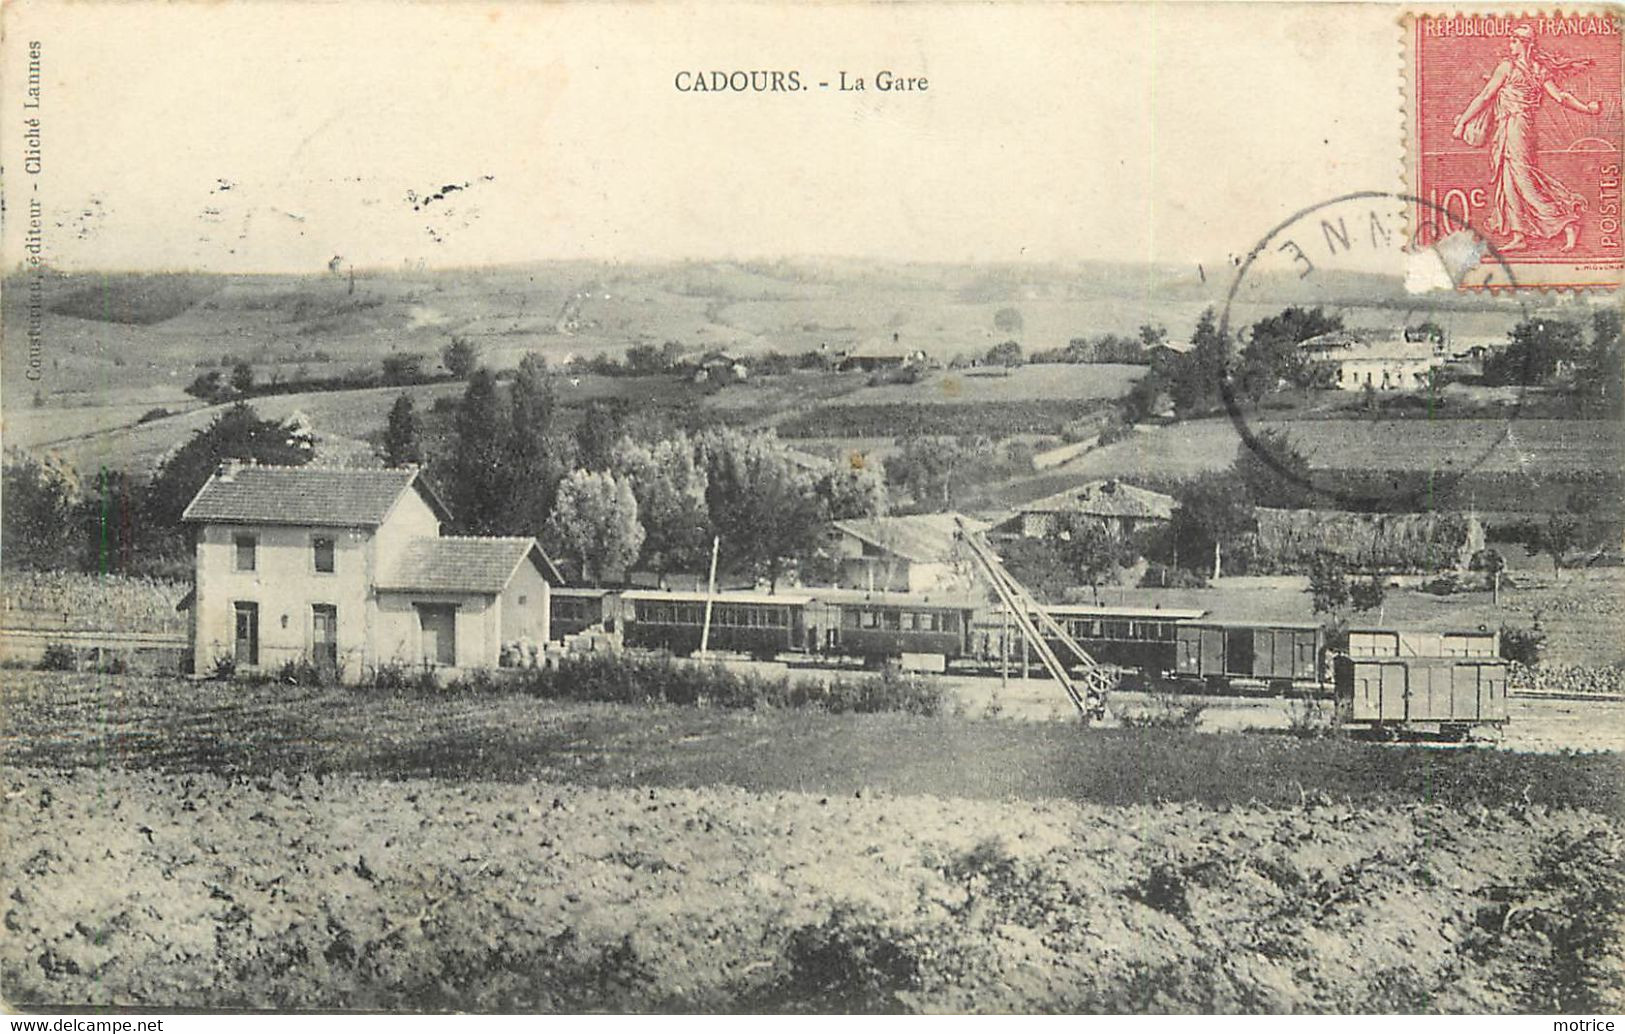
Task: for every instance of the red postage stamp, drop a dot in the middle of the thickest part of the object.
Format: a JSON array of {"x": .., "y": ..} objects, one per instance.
[{"x": 1515, "y": 136}]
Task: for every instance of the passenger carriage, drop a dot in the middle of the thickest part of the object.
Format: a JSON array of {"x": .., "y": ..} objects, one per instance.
[
  {"x": 574, "y": 610},
  {"x": 919, "y": 630},
  {"x": 762, "y": 625}
]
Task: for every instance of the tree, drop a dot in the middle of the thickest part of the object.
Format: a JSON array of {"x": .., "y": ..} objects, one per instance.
[
  {"x": 1152, "y": 336},
  {"x": 926, "y": 469},
  {"x": 1368, "y": 594},
  {"x": 207, "y": 386},
  {"x": 479, "y": 477},
  {"x": 1195, "y": 379},
  {"x": 1600, "y": 372},
  {"x": 1008, "y": 320},
  {"x": 670, "y": 490},
  {"x": 461, "y": 356},
  {"x": 852, "y": 490},
  {"x": 1210, "y": 518},
  {"x": 1538, "y": 347},
  {"x": 1005, "y": 353},
  {"x": 1273, "y": 472},
  {"x": 236, "y": 434},
  {"x": 401, "y": 445},
  {"x": 1091, "y": 551},
  {"x": 595, "y": 523},
  {"x": 1328, "y": 584},
  {"x": 600, "y": 429},
  {"x": 1272, "y": 353},
  {"x": 763, "y": 505},
  {"x": 38, "y": 532},
  {"x": 403, "y": 368},
  {"x": 538, "y": 453},
  {"x": 1555, "y": 538},
  {"x": 242, "y": 377}
]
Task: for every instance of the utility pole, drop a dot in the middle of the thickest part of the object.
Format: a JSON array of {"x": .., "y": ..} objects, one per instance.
[{"x": 710, "y": 592}]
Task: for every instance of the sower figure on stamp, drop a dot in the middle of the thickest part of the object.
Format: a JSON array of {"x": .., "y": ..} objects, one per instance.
[{"x": 1525, "y": 201}]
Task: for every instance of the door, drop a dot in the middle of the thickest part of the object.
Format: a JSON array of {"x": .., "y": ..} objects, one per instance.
[
  {"x": 1212, "y": 651},
  {"x": 246, "y": 636},
  {"x": 438, "y": 624},
  {"x": 324, "y": 634}
]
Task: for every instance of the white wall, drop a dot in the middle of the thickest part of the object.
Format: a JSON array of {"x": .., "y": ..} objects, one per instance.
[
  {"x": 399, "y": 638},
  {"x": 285, "y": 584},
  {"x": 525, "y": 606}
]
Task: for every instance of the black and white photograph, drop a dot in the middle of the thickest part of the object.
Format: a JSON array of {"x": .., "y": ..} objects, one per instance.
[{"x": 776, "y": 508}]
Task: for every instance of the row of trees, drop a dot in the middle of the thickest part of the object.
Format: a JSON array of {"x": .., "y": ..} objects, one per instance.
[
  {"x": 608, "y": 495},
  {"x": 1541, "y": 349},
  {"x": 120, "y": 523}
]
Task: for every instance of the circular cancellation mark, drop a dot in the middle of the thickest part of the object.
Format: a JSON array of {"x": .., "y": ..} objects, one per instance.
[{"x": 1346, "y": 255}]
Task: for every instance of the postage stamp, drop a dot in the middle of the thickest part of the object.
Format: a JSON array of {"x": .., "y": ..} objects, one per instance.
[{"x": 1514, "y": 132}]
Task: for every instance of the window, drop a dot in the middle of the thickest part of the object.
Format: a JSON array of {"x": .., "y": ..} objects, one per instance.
[
  {"x": 247, "y": 550},
  {"x": 322, "y": 548}
]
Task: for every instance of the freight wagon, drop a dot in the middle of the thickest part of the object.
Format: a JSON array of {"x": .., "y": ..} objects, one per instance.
[
  {"x": 1445, "y": 695},
  {"x": 1220, "y": 653},
  {"x": 1388, "y": 642}
]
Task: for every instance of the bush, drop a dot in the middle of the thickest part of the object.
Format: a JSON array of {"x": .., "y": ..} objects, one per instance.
[
  {"x": 1168, "y": 711},
  {"x": 390, "y": 675},
  {"x": 1309, "y": 717},
  {"x": 1444, "y": 585},
  {"x": 155, "y": 413},
  {"x": 853, "y": 961},
  {"x": 224, "y": 667},
  {"x": 58, "y": 657},
  {"x": 1523, "y": 645},
  {"x": 635, "y": 679},
  {"x": 306, "y": 671}
]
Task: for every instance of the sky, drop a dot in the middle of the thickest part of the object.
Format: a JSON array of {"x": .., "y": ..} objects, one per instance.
[{"x": 272, "y": 137}]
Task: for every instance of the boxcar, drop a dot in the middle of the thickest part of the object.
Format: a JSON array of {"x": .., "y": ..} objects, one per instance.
[
  {"x": 763, "y": 625},
  {"x": 883, "y": 626},
  {"x": 1388, "y": 642},
  {"x": 1421, "y": 694},
  {"x": 1277, "y": 653},
  {"x": 574, "y": 610}
]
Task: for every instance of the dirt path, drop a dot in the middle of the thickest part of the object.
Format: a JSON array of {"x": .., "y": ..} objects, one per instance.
[{"x": 1543, "y": 725}]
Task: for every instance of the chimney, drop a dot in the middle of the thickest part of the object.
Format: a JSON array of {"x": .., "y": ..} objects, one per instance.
[{"x": 227, "y": 471}]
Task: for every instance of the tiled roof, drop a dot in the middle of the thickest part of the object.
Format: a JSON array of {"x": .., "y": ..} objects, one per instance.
[
  {"x": 458, "y": 564},
  {"x": 324, "y": 496},
  {"x": 1105, "y": 499},
  {"x": 925, "y": 538}
]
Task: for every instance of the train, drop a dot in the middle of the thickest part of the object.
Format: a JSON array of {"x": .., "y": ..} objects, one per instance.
[{"x": 1167, "y": 646}]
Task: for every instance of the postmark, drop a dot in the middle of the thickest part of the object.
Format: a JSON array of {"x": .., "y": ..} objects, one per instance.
[
  {"x": 1513, "y": 127},
  {"x": 1407, "y": 329}
]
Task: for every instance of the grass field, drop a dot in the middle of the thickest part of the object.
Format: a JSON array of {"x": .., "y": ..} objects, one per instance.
[{"x": 72, "y": 721}]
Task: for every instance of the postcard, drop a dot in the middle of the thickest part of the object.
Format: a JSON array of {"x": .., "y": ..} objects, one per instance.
[{"x": 596, "y": 507}]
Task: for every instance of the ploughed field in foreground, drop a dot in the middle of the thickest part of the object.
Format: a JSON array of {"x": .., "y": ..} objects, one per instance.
[{"x": 217, "y": 845}]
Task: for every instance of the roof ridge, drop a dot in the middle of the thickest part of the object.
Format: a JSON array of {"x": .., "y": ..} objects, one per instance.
[
  {"x": 481, "y": 538},
  {"x": 242, "y": 467}
]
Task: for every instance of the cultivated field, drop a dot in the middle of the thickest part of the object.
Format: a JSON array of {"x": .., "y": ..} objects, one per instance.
[{"x": 176, "y": 844}]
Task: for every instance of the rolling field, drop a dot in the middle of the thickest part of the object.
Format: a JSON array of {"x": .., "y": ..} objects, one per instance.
[{"x": 185, "y": 845}]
